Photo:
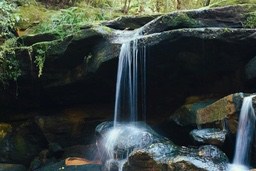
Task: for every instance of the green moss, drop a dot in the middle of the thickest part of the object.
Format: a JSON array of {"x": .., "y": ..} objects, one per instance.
[
  {"x": 31, "y": 15},
  {"x": 220, "y": 3},
  {"x": 40, "y": 51},
  {"x": 180, "y": 20},
  {"x": 4, "y": 129},
  {"x": 250, "y": 21},
  {"x": 21, "y": 145},
  {"x": 9, "y": 64}
]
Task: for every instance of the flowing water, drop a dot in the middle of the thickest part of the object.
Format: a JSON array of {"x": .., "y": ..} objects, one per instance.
[
  {"x": 129, "y": 102},
  {"x": 245, "y": 136},
  {"x": 131, "y": 80}
]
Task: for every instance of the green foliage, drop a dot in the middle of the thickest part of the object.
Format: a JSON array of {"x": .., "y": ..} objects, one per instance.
[
  {"x": 39, "y": 61},
  {"x": 8, "y": 19},
  {"x": 9, "y": 65},
  {"x": 250, "y": 21},
  {"x": 219, "y": 3},
  {"x": 69, "y": 21},
  {"x": 30, "y": 15},
  {"x": 180, "y": 20}
]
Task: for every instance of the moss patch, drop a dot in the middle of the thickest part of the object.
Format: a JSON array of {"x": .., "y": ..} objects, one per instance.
[
  {"x": 180, "y": 20},
  {"x": 250, "y": 21}
]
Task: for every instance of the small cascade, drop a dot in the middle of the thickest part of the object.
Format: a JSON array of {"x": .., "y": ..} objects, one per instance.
[
  {"x": 131, "y": 80},
  {"x": 244, "y": 136},
  {"x": 120, "y": 140}
]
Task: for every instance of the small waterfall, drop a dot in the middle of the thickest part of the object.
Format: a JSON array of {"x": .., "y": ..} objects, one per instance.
[
  {"x": 244, "y": 135},
  {"x": 131, "y": 80}
]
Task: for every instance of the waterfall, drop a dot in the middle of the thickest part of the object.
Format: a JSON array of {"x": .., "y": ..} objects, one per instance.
[
  {"x": 131, "y": 80},
  {"x": 244, "y": 135}
]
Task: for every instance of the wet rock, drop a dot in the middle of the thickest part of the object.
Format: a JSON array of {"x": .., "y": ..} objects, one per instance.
[
  {"x": 186, "y": 115},
  {"x": 209, "y": 136},
  {"x": 4, "y": 130},
  {"x": 22, "y": 144},
  {"x": 230, "y": 18},
  {"x": 68, "y": 129},
  {"x": 129, "y": 22},
  {"x": 161, "y": 157},
  {"x": 154, "y": 152},
  {"x": 227, "y": 108},
  {"x": 12, "y": 167},
  {"x": 29, "y": 40}
]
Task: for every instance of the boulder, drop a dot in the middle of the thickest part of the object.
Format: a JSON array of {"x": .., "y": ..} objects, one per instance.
[
  {"x": 22, "y": 144},
  {"x": 211, "y": 136},
  {"x": 68, "y": 130},
  {"x": 187, "y": 114},
  {"x": 161, "y": 157},
  {"x": 5, "y": 129},
  {"x": 227, "y": 108},
  {"x": 148, "y": 150}
]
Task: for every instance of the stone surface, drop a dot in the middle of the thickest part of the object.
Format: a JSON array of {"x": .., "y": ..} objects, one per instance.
[
  {"x": 162, "y": 157},
  {"x": 129, "y": 22},
  {"x": 182, "y": 60},
  {"x": 12, "y": 167},
  {"x": 231, "y": 17},
  {"x": 22, "y": 144},
  {"x": 227, "y": 108},
  {"x": 154, "y": 152},
  {"x": 68, "y": 130},
  {"x": 4, "y": 130},
  {"x": 211, "y": 136},
  {"x": 186, "y": 114}
]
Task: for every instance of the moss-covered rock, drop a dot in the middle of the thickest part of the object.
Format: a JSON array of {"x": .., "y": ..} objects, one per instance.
[
  {"x": 22, "y": 144},
  {"x": 129, "y": 22},
  {"x": 12, "y": 167},
  {"x": 4, "y": 130},
  {"x": 231, "y": 17}
]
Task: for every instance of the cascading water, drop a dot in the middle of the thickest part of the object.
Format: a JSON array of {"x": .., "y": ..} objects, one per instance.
[
  {"x": 244, "y": 135},
  {"x": 129, "y": 102},
  {"x": 131, "y": 79}
]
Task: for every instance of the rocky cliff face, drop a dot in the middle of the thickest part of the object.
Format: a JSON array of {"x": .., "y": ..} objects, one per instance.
[{"x": 198, "y": 52}]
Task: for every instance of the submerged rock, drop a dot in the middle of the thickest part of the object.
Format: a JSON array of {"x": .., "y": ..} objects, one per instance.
[{"x": 209, "y": 136}]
